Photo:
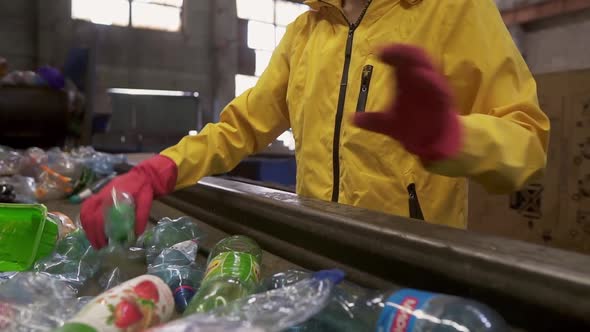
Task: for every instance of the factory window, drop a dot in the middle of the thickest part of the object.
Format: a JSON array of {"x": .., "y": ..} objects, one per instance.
[
  {"x": 267, "y": 21},
  {"x": 151, "y": 14}
]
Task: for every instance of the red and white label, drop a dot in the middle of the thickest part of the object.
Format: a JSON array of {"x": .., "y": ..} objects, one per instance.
[{"x": 404, "y": 314}]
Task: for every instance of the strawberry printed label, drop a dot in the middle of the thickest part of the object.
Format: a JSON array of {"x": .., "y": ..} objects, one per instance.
[
  {"x": 240, "y": 265},
  {"x": 132, "y": 306}
]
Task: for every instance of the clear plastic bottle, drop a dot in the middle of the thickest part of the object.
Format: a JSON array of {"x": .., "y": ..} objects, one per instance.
[
  {"x": 171, "y": 250},
  {"x": 233, "y": 272},
  {"x": 353, "y": 308},
  {"x": 168, "y": 233},
  {"x": 177, "y": 267}
]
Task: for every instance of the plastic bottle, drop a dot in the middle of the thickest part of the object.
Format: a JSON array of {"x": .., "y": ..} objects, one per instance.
[
  {"x": 171, "y": 251},
  {"x": 35, "y": 302},
  {"x": 183, "y": 281},
  {"x": 353, "y": 308},
  {"x": 177, "y": 267},
  {"x": 120, "y": 219},
  {"x": 74, "y": 261},
  {"x": 233, "y": 272},
  {"x": 132, "y": 306},
  {"x": 271, "y": 311},
  {"x": 167, "y": 233}
]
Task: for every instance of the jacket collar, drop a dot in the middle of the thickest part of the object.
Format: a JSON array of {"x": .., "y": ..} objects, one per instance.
[
  {"x": 376, "y": 10},
  {"x": 316, "y": 4}
]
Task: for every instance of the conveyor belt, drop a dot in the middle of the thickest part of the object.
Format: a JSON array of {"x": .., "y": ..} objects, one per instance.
[{"x": 535, "y": 288}]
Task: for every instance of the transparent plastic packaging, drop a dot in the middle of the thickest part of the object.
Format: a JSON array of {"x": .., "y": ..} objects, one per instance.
[
  {"x": 354, "y": 308},
  {"x": 172, "y": 247},
  {"x": 119, "y": 264},
  {"x": 58, "y": 178},
  {"x": 64, "y": 223},
  {"x": 119, "y": 219},
  {"x": 32, "y": 159},
  {"x": 9, "y": 161},
  {"x": 35, "y": 302},
  {"x": 271, "y": 311},
  {"x": 101, "y": 163},
  {"x": 23, "y": 188},
  {"x": 74, "y": 261},
  {"x": 169, "y": 232},
  {"x": 120, "y": 260}
]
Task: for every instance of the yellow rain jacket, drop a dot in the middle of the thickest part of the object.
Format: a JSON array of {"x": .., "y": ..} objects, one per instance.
[{"x": 505, "y": 132}]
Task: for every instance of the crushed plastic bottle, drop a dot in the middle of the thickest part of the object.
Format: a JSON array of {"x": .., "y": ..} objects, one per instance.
[
  {"x": 353, "y": 308},
  {"x": 121, "y": 260},
  {"x": 167, "y": 233},
  {"x": 74, "y": 261},
  {"x": 177, "y": 267},
  {"x": 9, "y": 161},
  {"x": 271, "y": 311},
  {"x": 100, "y": 163},
  {"x": 35, "y": 302},
  {"x": 233, "y": 272},
  {"x": 172, "y": 247},
  {"x": 23, "y": 188}
]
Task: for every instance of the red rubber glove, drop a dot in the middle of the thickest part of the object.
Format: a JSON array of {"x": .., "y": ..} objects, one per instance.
[
  {"x": 148, "y": 180},
  {"x": 422, "y": 117}
]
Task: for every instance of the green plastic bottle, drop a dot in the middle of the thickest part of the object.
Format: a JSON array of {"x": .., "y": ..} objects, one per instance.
[
  {"x": 233, "y": 272},
  {"x": 120, "y": 219}
]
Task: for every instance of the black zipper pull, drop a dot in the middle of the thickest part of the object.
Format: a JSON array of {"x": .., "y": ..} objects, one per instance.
[
  {"x": 365, "y": 84},
  {"x": 414, "y": 203}
]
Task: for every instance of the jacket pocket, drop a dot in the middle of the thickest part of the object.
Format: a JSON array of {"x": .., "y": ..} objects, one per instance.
[
  {"x": 414, "y": 203},
  {"x": 365, "y": 84}
]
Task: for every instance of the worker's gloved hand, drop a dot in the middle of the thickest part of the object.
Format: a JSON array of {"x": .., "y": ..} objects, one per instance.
[
  {"x": 422, "y": 117},
  {"x": 146, "y": 181}
]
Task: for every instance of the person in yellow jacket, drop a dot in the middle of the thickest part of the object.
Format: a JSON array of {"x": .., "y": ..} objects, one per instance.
[{"x": 387, "y": 100}]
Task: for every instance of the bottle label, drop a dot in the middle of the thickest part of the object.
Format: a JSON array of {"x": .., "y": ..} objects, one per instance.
[
  {"x": 134, "y": 305},
  {"x": 398, "y": 314},
  {"x": 240, "y": 265}
]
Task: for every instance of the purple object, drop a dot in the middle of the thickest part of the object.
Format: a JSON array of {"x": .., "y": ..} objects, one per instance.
[{"x": 52, "y": 76}]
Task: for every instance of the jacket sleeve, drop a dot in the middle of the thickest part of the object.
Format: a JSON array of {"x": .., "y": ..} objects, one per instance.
[
  {"x": 247, "y": 124},
  {"x": 505, "y": 133}
]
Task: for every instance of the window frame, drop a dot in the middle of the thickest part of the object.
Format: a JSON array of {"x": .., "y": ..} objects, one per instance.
[
  {"x": 130, "y": 17},
  {"x": 249, "y": 54}
]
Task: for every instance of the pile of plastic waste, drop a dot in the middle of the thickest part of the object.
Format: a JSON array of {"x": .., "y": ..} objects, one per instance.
[
  {"x": 45, "y": 76},
  {"x": 156, "y": 283},
  {"x": 35, "y": 175}
]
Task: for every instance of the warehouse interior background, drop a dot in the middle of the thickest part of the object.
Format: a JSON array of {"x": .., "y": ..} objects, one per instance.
[{"x": 210, "y": 50}]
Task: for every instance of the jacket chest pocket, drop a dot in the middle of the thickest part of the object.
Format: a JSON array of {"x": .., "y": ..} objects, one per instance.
[{"x": 366, "y": 75}]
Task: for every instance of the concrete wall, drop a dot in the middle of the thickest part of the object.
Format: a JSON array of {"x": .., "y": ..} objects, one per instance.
[
  {"x": 552, "y": 45},
  {"x": 135, "y": 58},
  {"x": 18, "y": 33},
  {"x": 558, "y": 44}
]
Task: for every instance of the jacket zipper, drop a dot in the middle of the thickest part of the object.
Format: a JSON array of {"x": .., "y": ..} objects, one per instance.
[
  {"x": 365, "y": 84},
  {"x": 414, "y": 203},
  {"x": 340, "y": 109}
]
